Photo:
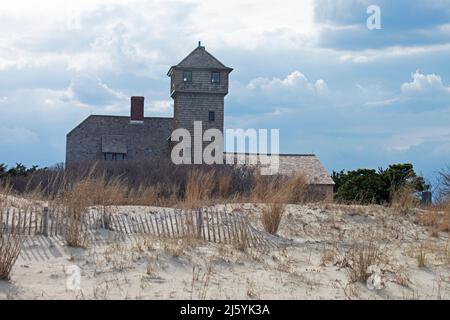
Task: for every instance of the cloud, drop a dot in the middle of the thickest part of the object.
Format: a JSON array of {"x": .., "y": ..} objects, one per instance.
[
  {"x": 17, "y": 136},
  {"x": 425, "y": 85},
  {"x": 404, "y": 23},
  {"x": 88, "y": 89},
  {"x": 294, "y": 82},
  {"x": 424, "y": 89},
  {"x": 309, "y": 67},
  {"x": 265, "y": 97},
  {"x": 406, "y": 141},
  {"x": 391, "y": 52},
  {"x": 161, "y": 107}
]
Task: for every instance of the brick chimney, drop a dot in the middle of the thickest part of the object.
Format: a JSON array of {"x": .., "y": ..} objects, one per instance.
[{"x": 137, "y": 109}]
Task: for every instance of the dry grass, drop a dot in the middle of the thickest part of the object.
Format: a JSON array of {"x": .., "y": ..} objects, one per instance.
[
  {"x": 296, "y": 190},
  {"x": 73, "y": 204},
  {"x": 200, "y": 281},
  {"x": 224, "y": 181},
  {"x": 5, "y": 191},
  {"x": 271, "y": 217},
  {"x": 199, "y": 187},
  {"x": 177, "y": 247},
  {"x": 421, "y": 258},
  {"x": 404, "y": 200},
  {"x": 276, "y": 193},
  {"x": 436, "y": 219},
  {"x": 133, "y": 183},
  {"x": 10, "y": 246},
  {"x": 360, "y": 257},
  {"x": 251, "y": 290}
]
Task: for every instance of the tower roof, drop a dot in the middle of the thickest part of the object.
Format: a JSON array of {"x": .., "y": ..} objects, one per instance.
[{"x": 201, "y": 59}]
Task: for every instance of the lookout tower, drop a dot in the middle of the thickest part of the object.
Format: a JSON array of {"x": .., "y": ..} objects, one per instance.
[{"x": 198, "y": 86}]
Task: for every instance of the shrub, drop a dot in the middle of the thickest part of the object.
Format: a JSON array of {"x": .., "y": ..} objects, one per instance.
[
  {"x": 371, "y": 186},
  {"x": 271, "y": 217},
  {"x": 10, "y": 246}
]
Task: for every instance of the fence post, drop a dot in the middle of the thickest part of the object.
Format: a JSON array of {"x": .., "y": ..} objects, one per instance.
[
  {"x": 199, "y": 223},
  {"x": 45, "y": 221}
]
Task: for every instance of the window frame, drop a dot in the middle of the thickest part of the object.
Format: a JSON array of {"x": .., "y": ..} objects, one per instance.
[
  {"x": 122, "y": 155},
  {"x": 213, "y": 79},
  {"x": 187, "y": 79},
  {"x": 106, "y": 154},
  {"x": 211, "y": 116},
  {"x": 112, "y": 156}
]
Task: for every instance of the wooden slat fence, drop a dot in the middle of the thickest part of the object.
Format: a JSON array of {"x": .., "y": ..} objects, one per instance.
[{"x": 210, "y": 224}]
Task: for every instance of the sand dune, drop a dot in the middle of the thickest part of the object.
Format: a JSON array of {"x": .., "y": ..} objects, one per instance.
[{"x": 317, "y": 265}]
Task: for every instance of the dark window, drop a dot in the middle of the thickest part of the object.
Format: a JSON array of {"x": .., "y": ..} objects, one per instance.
[
  {"x": 215, "y": 77},
  {"x": 212, "y": 116},
  {"x": 187, "y": 76},
  {"x": 114, "y": 156},
  {"x": 120, "y": 156},
  {"x": 109, "y": 156}
]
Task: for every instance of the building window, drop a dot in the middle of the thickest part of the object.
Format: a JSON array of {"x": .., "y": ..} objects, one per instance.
[
  {"x": 215, "y": 77},
  {"x": 120, "y": 156},
  {"x": 212, "y": 116},
  {"x": 187, "y": 76},
  {"x": 108, "y": 156}
]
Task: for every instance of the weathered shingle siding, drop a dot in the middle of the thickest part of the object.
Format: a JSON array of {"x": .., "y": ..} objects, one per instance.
[
  {"x": 148, "y": 139},
  {"x": 320, "y": 184},
  {"x": 194, "y": 100},
  {"x": 199, "y": 57},
  {"x": 201, "y": 81},
  {"x": 190, "y": 107},
  {"x": 308, "y": 165}
]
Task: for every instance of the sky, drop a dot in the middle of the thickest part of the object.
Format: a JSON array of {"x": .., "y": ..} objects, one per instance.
[{"x": 356, "y": 97}]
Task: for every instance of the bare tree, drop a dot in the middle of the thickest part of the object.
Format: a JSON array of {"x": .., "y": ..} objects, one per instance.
[{"x": 444, "y": 184}]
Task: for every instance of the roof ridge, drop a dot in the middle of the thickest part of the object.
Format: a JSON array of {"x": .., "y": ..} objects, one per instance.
[
  {"x": 202, "y": 50},
  {"x": 279, "y": 154},
  {"x": 119, "y": 116}
]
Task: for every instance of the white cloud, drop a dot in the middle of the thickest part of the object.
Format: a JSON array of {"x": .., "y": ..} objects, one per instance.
[
  {"x": 429, "y": 87},
  {"x": 294, "y": 82},
  {"x": 408, "y": 140},
  {"x": 134, "y": 37},
  {"x": 425, "y": 85},
  {"x": 372, "y": 55},
  {"x": 161, "y": 106}
]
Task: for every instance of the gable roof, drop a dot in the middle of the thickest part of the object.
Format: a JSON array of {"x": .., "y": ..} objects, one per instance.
[
  {"x": 290, "y": 164},
  {"x": 200, "y": 58},
  {"x": 112, "y": 120}
]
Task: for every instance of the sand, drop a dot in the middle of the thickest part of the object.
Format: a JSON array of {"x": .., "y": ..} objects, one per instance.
[{"x": 316, "y": 266}]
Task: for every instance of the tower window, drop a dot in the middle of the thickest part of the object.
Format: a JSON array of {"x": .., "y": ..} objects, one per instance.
[
  {"x": 212, "y": 116},
  {"x": 187, "y": 76},
  {"x": 215, "y": 77}
]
